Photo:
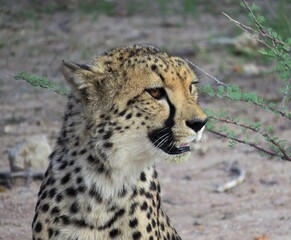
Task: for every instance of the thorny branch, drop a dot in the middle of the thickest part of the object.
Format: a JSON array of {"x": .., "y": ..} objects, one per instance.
[
  {"x": 247, "y": 29},
  {"x": 270, "y": 139},
  {"x": 283, "y": 114},
  {"x": 263, "y": 31},
  {"x": 252, "y": 144},
  {"x": 251, "y": 32}
]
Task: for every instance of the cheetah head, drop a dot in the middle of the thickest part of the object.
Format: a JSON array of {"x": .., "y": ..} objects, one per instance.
[{"x": 140, "y": 102}]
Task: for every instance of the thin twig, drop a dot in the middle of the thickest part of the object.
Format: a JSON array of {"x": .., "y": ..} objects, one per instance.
[
  {"x": 263, "y": 31},
  {"x": 265, "y": 34},
  {"x": 264, "y": 134},
  {"x": 207, "y": 74},
  {"x": 247, "y": 29},
  {"x": 261, "y": 105},
  {"x": 251, "y": 144}
]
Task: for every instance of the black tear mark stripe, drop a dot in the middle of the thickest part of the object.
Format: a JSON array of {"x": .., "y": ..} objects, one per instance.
[
  {"x": 170, "y": 120},
  {"x": 162, "y": 138}
]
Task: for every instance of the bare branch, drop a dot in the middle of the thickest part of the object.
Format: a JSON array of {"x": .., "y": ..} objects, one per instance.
[
  {"x": 247, "y": 29},
  {"x": 207, "y": 74}
]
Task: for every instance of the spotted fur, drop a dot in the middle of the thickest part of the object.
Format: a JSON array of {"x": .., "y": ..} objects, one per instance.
[{"x": 130, "y": 107}]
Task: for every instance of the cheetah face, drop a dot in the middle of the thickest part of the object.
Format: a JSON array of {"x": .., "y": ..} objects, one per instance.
[{"x": 143, "y": 98}]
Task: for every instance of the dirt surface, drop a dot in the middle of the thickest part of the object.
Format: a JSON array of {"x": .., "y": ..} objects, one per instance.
[{"x": 36, "y": 42}]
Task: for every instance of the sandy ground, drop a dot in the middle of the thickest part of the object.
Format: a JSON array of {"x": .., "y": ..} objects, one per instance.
[{"x": 259, "y": 207}]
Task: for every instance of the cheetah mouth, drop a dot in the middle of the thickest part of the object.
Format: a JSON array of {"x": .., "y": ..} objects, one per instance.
[{"x": 163, "y": 140}]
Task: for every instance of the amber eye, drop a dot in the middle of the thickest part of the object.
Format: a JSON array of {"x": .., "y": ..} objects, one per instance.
[{"x": 156, "y": 93}]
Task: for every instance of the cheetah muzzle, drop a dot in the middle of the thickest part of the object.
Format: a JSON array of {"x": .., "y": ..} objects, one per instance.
[{"x": 129, "y": 108}]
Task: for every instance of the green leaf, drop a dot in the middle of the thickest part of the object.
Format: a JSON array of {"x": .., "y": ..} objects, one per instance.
[{"x": 40, "y": 81}]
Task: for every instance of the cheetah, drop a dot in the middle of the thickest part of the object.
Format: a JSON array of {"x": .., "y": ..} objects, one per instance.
[{"x": 129, "y": 108}]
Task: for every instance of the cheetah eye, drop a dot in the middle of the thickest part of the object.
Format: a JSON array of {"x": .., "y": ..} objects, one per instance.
[
  {"x": 191, "y": 88},
  {"x": 156, "y": 93}
]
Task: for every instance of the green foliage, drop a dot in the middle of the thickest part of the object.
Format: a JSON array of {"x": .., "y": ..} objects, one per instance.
[
  {"x": 189, "y": 7},
  {"x": 102, "y": 6},
  {"x": 276, "y": 48},
  {"x": 247, "y": 132},
  {"x": 43, "y": 82}
]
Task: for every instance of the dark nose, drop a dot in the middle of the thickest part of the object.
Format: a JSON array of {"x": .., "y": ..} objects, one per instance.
[{"x": 196, "y": 124}]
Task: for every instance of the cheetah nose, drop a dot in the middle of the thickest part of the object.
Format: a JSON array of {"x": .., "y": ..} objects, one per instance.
[{"x": 196, "y": 124}]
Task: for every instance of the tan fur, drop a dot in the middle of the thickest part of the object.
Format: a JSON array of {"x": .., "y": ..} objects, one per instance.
[{"x": 101, "y": 182}]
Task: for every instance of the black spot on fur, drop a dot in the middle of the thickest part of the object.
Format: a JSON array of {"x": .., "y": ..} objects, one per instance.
[
  {"x": 143, "y": 177},
  {"x": 71, "y": 192},
  {"x": 44, "y": 194},
  {"x": 38, "y": 227},
  {"x": 100, "y": 168},
  {"x": 108, "y": 145},
  {"x": 128, "y": 116},
  {"x": 74, "y": 153},
  {"x": 79, "y": 180},
  {"x": 107, "y": 135},
  {"x": 45, "y": 207},
  {"x": 74, "y": 207},
  {"x": 136, "y": 235},
  {"x": 59, "y": 197},
  {"x": 50, "y": 232},
  {"x": 153, "y": 186},
  {"x": 162, "y": 226},
  {"x": 153, "y": 223},
  {"x": 130, "y": 102},
  {"x": 55, "y": 211},
  {"x": 122, "y": 113},
  {"x": 144, "y": 206},
  {"x": 52, "y": 192},
  {"x": 101, "y": 131},
  {"x": 133, "y": 223},
  {"x": 114, "y": 233},
  {"x": 82, "y": 188},
  {"x": 82, "y": 152},
  {"x": 149, "y": 228},
  {"x": 77, "y": 169},
  {"x": 63, "y": 165},
  {"x": 90, "y": 159},
  {"x": 133, "y": 208},
  {"x": 66, "y": 178}
]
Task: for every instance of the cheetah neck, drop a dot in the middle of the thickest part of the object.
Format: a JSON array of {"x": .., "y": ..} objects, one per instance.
[{"x": 111, "y": 174}]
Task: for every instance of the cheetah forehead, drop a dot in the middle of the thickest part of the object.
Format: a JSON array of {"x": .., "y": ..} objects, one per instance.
[
  {"x": 140, "y": 61},
  {"x": 126, "y": 72}
]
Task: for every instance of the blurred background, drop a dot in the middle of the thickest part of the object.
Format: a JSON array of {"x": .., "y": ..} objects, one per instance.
[{"x": 35, "y": 36}]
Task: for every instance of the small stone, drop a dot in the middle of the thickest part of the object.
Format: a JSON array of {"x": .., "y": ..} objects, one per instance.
[{"x": 32, "y": 153}]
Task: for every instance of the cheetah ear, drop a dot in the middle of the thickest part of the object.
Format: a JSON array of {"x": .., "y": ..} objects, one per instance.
[
  {"x": 79, "y": 76},
  {"x": 88, "y": 82},
  {"x": 76, "y": 74}
]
